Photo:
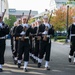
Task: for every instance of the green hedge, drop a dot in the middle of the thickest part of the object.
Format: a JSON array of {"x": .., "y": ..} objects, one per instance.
[{"x": 60, "y": 37}]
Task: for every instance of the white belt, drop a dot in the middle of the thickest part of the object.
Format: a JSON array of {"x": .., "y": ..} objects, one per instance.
[
  {"x": 72, "y": 35},
  {"x": 24, "y": 37},
  {"x": 48, "y": 36},
  {"x": 2, "y": 37},
  {"x": 33, "y": 38}
]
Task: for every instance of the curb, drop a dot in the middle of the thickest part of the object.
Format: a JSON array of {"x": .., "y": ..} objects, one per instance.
[{"x": 61, "y": 43}]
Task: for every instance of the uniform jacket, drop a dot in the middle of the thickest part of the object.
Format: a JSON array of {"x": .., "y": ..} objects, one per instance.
[{"x": 4, "y": 30}]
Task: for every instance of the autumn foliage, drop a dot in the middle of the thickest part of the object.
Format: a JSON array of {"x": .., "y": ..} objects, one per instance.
[{"x": 59, "y": 18}]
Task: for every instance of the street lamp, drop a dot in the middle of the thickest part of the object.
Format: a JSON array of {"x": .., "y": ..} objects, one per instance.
[{"x": 67, "y": 21}]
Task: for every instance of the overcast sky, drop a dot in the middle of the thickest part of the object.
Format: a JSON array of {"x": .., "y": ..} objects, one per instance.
[{"x": 39, "y": 5}]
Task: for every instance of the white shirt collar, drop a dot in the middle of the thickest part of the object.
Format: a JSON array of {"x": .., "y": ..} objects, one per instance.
[
  {"x": 73, "y": 23},
  {"x": 25, "y": 25},
  {"x": 46, "y": 24}
]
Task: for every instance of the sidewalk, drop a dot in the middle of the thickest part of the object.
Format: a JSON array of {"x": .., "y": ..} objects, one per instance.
[
  {"x": 61, "y": 42},
  {"x": 8, "y": 42}
]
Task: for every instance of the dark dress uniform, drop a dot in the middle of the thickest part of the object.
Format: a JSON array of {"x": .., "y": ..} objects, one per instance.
[
  {"x": 15, "y": 45},
  {"x": 39, "y": 31},
  {"x": 11, "y": 35},
  {"x": 17, "y": 35},
  {"x": 24, "y": 46},
  {"x": 71, "y": 36},
  {"x": 45, "y": 45},
  {"x": 30, "y": 38},
  {"x": 13, "y": 41},
  {"x": 4, "y": 30},
  {"x": 34, "y": 33},
  {"x": 34, "y": 45}
]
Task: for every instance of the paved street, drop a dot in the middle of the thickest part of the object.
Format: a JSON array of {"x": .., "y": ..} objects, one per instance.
[{"x": 59, "y": 63}]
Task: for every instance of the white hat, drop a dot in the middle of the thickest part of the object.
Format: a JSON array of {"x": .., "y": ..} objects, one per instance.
[
  {"x": 45, "y": 17},
  {"x": 38, "y": 20},
  {"x": 15, "y": 23},
  {"x": 24, "y": 17},
  {"x": 18, "y": 19}
]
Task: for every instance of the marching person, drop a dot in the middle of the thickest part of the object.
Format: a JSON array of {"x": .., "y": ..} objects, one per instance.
[
  {"x": 32, "y": 41},
  {"x": 23, "y": 33},
  {"x": 71, "y": 36},
  {"x": 12, "y": 32},
  {"x": 45, "y": 43},
  {"x": 4, "y": 30},
  {"x": 34, "y": 32},
  {"x": 37, "y": 40},
  {"x": 16, "y": 41}
]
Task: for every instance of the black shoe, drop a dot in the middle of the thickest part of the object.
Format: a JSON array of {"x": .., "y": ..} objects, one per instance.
[
  {"x": 15, "y": 62},
  {"x": 1, "y": 70},
  {"x": 47, "y": 68},
  {"x": 19, "y": 65},
  {"x": 69, "y": 59},
  {"x": 39, "y": 65},
  {"x": 25, "y": 69}
]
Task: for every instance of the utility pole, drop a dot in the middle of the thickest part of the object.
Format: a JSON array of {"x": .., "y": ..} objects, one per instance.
[{"x": 67, "y": 21}]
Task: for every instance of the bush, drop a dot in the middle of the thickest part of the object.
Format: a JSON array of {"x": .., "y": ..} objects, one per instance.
[
  {"x": 61, "y": 37},
  {"x": 10, "y": 21}
]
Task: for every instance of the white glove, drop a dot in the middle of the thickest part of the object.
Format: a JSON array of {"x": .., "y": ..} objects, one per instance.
[
  {"x": 1, "y": 25},
  {"x": 68, "y": 40},
  {"x": 45, "y": 32},
  {"x": 22, "y": 33}
]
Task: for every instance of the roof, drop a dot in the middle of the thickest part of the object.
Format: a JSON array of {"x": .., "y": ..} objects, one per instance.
[
  {"x": 41, "y": 14},
  {"x": 20, "y": 12}
]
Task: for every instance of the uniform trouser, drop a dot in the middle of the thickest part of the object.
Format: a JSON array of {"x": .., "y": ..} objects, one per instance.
[
  {"x": 2, "y": 50},
  {"x": 45, "y": 49},
  {"x": 16, "y": 48},
  {"x": 31, "y": 48},
  {"x": 72, "y": 49},
  {"x": 23, "y": 49},
  {"x": 12, "y": 46},
  {"x": 36, "y": 52}
]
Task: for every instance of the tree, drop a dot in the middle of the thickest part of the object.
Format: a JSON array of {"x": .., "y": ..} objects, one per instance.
[
  {"x": 31, "y": 20},
  {"x": 10, "y": 21},
  {"x": 59, "y": 19}
]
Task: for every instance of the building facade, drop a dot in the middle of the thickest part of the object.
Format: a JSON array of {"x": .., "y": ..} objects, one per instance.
[
  {"x": 19, "y": 13},
  {"x": 3, "y": 6},
  {"x": 56, "y": 4}
]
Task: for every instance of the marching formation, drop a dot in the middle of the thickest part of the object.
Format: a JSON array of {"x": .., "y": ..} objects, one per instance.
[{"x": 31, "y": 41}]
